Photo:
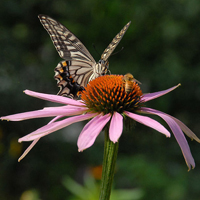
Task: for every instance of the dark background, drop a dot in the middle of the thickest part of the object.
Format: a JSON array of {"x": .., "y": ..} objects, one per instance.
[{"x": 161, "y": 49}]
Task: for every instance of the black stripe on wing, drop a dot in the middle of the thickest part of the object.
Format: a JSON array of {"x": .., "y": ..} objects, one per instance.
[
  {"x": 66, "y": 43},
  {"x": 111, "y": 47}
]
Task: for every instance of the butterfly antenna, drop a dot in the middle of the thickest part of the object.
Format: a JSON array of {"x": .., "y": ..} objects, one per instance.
[
  {"x": 117, "y": 51},
  {"x": 96, "y": 49}
]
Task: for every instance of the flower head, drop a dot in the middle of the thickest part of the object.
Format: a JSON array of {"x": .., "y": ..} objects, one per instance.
[
  {"x": 107, "y": 95},
  {"x": 105, "y": 99}
]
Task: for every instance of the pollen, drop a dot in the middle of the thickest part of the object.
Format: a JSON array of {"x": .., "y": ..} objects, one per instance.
[{"x": 107, "y": 94}]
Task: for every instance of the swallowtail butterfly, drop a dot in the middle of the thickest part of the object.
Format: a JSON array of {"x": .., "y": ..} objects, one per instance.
[{"x": 78, "y": 67}]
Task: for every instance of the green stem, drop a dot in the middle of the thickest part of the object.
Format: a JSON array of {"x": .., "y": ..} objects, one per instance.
[{"x": 109, "y": 161}]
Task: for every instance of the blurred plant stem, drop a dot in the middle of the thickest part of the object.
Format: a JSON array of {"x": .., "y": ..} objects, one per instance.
[{"x": 109, "y": 161}]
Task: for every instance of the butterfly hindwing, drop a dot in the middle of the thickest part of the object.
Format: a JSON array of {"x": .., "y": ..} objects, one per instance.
[{"x": 68, "y": 82}]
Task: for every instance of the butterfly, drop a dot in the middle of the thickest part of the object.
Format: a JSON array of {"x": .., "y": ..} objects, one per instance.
[{"x": 78, "y": 67}]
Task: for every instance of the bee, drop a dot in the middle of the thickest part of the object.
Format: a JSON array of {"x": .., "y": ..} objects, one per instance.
[{"x": 128, "y": 82}]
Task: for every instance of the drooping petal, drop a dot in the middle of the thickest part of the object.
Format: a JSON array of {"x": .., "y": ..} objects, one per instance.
[
  {"x": 54, "y": 98},
  {"x": 92, "y": 121},
  {"x": 46, "y": 112},
  {"x": 35, "y": 141},
  {"x": 154, "y": 95},
  {"x": 180, "y": 138},
  {"x": 185, "y": 129},
  {"x": 49, "y": 128},
  {"x": 28, "y": 149},
  {"x": 147, "y": 121},
  {"x": 116, "y": 127},
  {"x": 91, "y": 131}
]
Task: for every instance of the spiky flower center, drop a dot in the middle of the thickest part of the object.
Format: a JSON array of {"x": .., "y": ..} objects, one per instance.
[{"x": 109, "y": 93}]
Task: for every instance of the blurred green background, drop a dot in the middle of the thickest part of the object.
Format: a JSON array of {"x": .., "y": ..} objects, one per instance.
[{"x": 161, "y": 49}]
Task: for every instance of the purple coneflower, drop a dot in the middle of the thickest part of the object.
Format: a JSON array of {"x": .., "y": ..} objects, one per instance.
[{"x": 103, "y": 100}]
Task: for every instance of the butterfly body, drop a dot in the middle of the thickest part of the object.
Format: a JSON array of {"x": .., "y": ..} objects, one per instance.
[{"x": 78, "y": 67}]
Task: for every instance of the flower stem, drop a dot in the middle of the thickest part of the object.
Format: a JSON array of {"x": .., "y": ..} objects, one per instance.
[{"x": 109, "y": 161}]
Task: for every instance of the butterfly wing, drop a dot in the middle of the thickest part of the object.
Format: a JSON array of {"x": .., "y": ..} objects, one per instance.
[
  {"x": 72, "y": 77},
  {"x": 111, "y": 47},
  {"x": 66, "y": 43},
  {"x": 72, "y": 74}
]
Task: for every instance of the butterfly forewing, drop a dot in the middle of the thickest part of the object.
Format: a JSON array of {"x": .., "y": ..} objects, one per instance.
[
  {"x": 111, "y": 47},
  {"x": 66, "y": 43}
]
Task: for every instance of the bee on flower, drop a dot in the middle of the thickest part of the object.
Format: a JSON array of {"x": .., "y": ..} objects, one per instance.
[{"x": 128, "y": 82}]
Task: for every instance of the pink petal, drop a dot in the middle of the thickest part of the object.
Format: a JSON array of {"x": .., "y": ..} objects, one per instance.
[
  {"x": 28, "y": 149},
  {"x": 147, "y": 121},
  {"x": 49, "y": 128},
  {"x": 154, "y": 95},
  {"x": 46, "y": 112},
  {"x": 92, "y": 121},
  {"x": 91, "y": 131},
  {"x": 185, "y": 129},
  {"x": 116, "y": 127},
  {"x": 35, "y": 141},
  {"x": 54, "y": 98},
  {"x": 180, "y": 138}
]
